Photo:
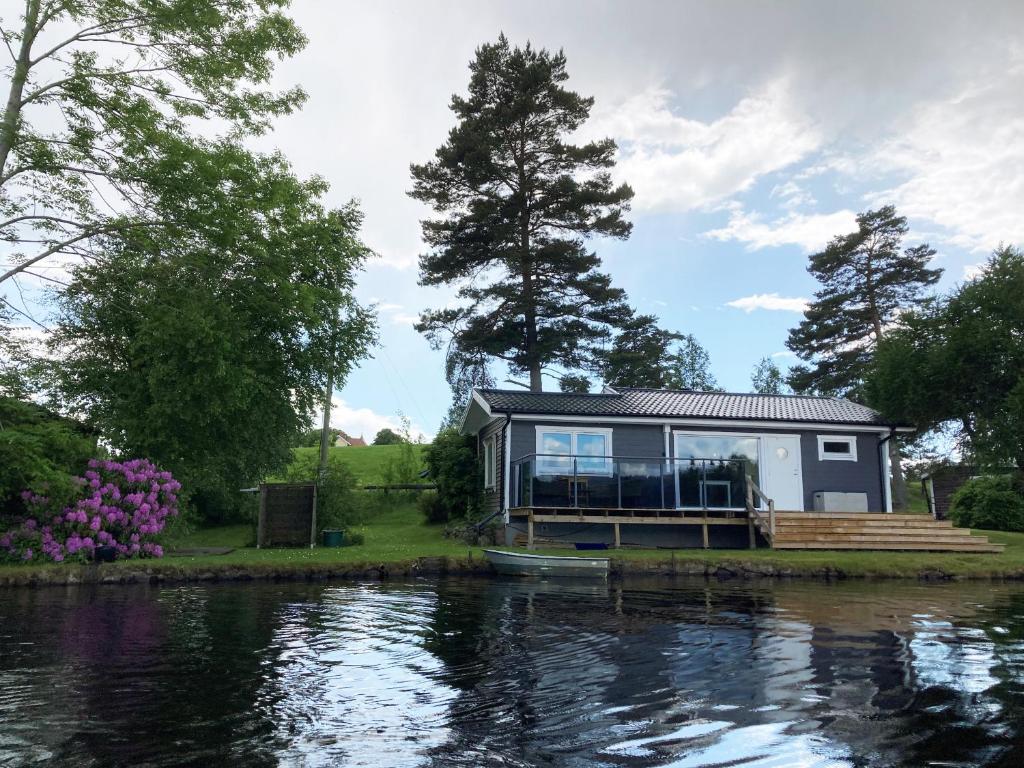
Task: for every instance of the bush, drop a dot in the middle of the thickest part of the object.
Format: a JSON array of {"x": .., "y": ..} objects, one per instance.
[
  {"x": 432, "y": 508},
  {"x": 122, "y": 505},
  {"x": 994, "y": 503},
  {"x": 453, "y": 466}
]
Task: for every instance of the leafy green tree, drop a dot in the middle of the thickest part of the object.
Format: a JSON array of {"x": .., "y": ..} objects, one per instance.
[
  {"x": 101, "y": 104},
  {"x": 641, "y": 356},
  {"x": 692, "y": 365},
  {"x": 960, "y": 360},
  {"x": 868, "y": 278},
  {"x": 517, "y": 201},
  {"x": 39, "y": 451},
  {"x": 453, "y": 466},
  {"x": 767, "y": 378},
  {"x": 209, "y": 354},
  {"x": 388, "y": 437}
]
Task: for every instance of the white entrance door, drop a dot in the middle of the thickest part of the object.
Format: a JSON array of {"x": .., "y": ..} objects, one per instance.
[{"x": 782, "y": 475}]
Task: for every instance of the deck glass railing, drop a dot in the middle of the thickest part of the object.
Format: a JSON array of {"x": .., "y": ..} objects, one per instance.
[{"x": 618, "y": 482}]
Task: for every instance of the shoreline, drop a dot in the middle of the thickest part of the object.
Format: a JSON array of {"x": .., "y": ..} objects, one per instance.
[{"x": 167, "y": 571}]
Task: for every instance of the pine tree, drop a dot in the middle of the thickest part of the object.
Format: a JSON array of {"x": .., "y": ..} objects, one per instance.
[
  {"x": 516, "y": 202},
  {"x": 867, "y": 280},
  {"x": 767, "y": 378},
  {"x": 640, "y": 356}
]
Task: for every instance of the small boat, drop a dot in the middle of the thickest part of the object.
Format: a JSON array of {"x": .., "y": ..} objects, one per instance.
[{"x": 520, "y": 564}]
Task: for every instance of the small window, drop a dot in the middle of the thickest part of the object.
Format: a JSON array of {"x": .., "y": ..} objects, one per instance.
[
  {"x": 837, "y": 448},
  {"x": 490, "y": 463}
]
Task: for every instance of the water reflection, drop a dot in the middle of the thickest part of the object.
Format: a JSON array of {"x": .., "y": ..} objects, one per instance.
[{"x": 481, "y": 673}]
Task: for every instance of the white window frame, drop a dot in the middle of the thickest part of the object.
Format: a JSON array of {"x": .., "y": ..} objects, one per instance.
[
  {"x": 490, "y": 463},
  {"x": 850, "y": 455},
  {"x": 574, "y": 432}
]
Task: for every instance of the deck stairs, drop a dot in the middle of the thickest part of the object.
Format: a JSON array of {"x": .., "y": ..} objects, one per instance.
[{"x": 874, "y": 531}]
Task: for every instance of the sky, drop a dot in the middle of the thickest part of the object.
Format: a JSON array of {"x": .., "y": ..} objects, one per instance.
[{"x": 751, "y": 132}]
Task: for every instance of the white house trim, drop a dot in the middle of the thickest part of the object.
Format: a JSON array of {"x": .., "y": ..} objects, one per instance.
[
  {"x": 689, "y": 423},
  {"x": 886, "y": 480},
  {"x": 506, "y": 449}
]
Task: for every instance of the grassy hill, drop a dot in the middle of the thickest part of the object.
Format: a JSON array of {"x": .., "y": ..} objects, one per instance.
[{"x": 367, "y": 463}]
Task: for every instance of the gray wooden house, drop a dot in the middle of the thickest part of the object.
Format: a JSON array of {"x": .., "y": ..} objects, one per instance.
[{"x": 678, "y": 468}]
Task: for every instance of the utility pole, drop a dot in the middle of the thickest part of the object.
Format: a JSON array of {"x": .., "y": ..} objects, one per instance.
[{"x": 325, "y": 431}]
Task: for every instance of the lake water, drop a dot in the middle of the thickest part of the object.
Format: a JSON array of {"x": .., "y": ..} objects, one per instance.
[{"x": 498, "y": 673}]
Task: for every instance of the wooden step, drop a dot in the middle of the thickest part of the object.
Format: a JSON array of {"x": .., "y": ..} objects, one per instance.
[
  {"x": 924, "y": 522},
  {"x": 869, "y": 531},
  {"x": 884, "y": 539},
  {"x": 978, "y": 546},
  {"x": 851, "y": 515}
]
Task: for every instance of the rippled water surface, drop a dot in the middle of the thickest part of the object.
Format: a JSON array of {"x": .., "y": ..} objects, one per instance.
[{"x": 482, "y": 673}]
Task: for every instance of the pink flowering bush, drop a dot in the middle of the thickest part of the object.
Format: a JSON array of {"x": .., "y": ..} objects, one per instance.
[{"x": 124, "y": 505}]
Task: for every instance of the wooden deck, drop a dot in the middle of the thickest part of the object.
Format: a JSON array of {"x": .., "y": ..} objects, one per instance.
[{"x": 792, "y": 530}]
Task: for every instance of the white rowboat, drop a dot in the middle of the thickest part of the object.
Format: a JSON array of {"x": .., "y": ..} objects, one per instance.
[{"x": 519, "y": 564}]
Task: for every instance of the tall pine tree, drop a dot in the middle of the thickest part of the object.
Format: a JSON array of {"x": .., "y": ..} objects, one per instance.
[
  {"x": 640, "y": 356},
  {"x": 867, "y": 279},
  {"x": 516, "y": 201}
]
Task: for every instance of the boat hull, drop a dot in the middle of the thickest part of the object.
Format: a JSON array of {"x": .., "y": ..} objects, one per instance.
[{"x": 518, "y": 564}]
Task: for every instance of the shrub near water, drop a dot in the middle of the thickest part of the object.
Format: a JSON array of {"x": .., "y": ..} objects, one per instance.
[
  {"x": 994, "y": 503},
  {"x": 122, "y": 505}
]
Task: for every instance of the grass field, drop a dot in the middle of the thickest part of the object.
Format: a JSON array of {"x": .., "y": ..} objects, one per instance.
[
  {"x": 367, "y": 463},
  {"x": 397, "y": 535}
]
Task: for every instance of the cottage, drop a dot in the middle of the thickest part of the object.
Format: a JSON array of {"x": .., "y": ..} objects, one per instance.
[{"x": 676, "y": 468}]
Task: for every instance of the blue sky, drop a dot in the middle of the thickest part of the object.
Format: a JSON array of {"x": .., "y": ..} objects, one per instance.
[{"x": 751, "y": 132}]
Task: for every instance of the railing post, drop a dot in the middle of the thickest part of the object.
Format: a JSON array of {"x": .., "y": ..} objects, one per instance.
[
  {"x": 575, "y": 485},
  {"x": 662, "y": 483},
  {"x": 771, "y": 516},
  {"x": 617, "y": 468}
]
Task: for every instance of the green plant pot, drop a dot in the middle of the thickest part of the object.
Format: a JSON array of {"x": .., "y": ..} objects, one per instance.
[{"x": 334, "y": 538}]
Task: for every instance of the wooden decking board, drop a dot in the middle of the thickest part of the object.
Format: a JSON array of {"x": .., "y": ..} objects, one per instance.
[
  {"x": 793, "y": 530},
  {"x": 981, "y": 547}
]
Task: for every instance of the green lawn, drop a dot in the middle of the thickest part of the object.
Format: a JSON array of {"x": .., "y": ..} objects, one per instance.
[
  {"x": 367, "y": 463},
  {"x": 397, "y": 536}
]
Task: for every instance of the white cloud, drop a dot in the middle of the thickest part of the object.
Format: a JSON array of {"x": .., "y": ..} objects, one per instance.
[
  {"x": 770, "y": 301},
  {"x": 365, "y": 422},
  {"x": 809, "y": 231},
  {"x": 676, "y": 163},
  {"x": 787, "y": 354},
  {"x": 792, "y": 195},
  {"x": 962, "y": 161}
]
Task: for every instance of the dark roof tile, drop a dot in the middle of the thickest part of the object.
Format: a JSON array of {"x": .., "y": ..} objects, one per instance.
[{"x": 684, "y": 404}]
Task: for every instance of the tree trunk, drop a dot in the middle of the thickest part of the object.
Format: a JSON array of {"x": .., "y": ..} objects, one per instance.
[
  {"x": 12, "y": 112},
  {"x": 899, "y": 482}
]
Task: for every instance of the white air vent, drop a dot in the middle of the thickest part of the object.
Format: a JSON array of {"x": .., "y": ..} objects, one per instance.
[{"x": 835, "y": 501}]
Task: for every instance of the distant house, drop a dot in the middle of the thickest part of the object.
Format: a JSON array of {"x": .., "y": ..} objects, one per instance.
[
  {"x": 344, "y": 440},
  {"x": 655, "y": 456}
]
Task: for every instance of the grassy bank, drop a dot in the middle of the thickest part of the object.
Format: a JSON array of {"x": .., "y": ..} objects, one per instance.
[
  {"x": 368, "y": 463},
  {"x": 397, "y": 538}
]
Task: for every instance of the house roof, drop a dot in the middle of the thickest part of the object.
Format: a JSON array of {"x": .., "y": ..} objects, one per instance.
[
  {"x": 683, "y": 404},
  {"x": 352, "y": 441}
]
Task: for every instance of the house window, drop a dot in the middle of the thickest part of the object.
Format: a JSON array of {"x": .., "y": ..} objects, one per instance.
[
  {"x": 557, "y": 448},
  {"x": 490, "y": 463},
  {"x": 837, "y": 448}
]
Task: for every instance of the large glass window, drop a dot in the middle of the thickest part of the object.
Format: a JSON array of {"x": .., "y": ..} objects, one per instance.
[
  {"x": 590, "y": 449},
  {"x": 711, "y": 469}
]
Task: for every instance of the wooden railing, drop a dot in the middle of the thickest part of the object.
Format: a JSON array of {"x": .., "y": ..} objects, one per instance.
[{"x": 765, "y": 522}]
